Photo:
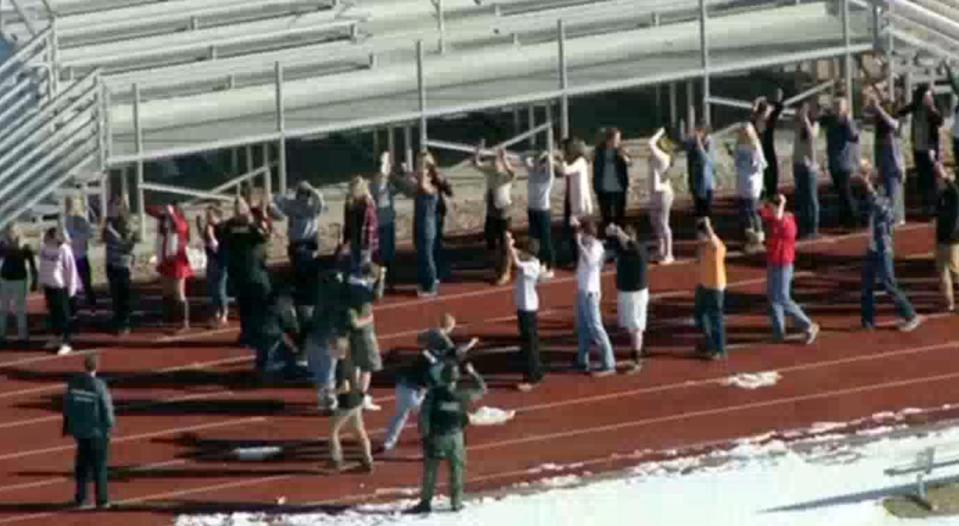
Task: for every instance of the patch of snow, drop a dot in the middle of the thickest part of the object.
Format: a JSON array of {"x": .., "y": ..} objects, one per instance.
[
  {"x": 491, "y": 416},
  {"x": 753, "y": 380}
]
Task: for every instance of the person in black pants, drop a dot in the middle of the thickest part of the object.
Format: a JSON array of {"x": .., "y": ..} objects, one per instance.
[
  {"x": 528, "y": 273},
  {"x": 765, "y": 117},
  {"x": 842, "y": 149},
  {"x": 120, "y": 238},
  {"x": 244, "y": 240},
  {"x": 926, "y": 121},
  {"x": 611, "y": 177},
  {"x": 89, "y": 418}
]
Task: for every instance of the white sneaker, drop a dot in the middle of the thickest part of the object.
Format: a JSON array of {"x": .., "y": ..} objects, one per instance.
[
  {"x": 911, "y": 325},
  {"x": 549, "y": 274},
  {"x": 64, "y": 349},
  {"x": 369, "y": 405},
  {"x": 668, "y": 260}
]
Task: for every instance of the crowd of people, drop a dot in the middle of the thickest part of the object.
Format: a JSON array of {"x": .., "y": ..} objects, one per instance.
[{"x": 323, "y": 325}]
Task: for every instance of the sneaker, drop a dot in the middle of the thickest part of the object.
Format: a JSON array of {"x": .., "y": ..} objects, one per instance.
[
  {"x": 911, "y": 325},
  {"x": 83, "y": 506},
  {"x": 420, "y": 509},
  {"x": 64, "y": 349},
  {"x": 668, "y": 260},
  {"x": 602, "y": 373},
  {"x": 868, "y": 327},
  {"x": 369, "y": 405},
  {"x": 104, "y": 505},
  {"x": 425, "y": 294},
  {"x": 811, "y": 333},
  {"x": 549, "y": 274}
]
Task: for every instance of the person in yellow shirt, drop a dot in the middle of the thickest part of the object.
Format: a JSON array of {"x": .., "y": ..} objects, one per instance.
[{"x": 711, "y": 258}]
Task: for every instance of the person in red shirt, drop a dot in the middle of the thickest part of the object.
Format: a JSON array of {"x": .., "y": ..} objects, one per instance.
[
  {"x": 173, "y": 237},
  {"x": 780, "y": 257}
]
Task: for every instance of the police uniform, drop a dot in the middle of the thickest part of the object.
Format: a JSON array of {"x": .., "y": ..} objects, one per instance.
[{"x": 88, "y": 417}]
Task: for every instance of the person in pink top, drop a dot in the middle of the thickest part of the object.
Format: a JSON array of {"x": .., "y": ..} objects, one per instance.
[
  {"x": 780, "y": 258},
  {"x": 173, "y": 236},
  {"x": 60, "y": 282}
]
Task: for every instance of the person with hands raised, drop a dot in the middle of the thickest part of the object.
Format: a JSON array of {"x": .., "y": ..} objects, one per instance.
[{"x": 528, "y": 274}]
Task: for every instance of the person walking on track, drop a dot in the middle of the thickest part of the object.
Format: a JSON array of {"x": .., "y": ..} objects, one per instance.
[
  {"x": 611, "y": 177},
  {"x": 879, "y": 265},
  {"x": 88, "y": 417},
  {"x": 589, "y": 320},
  {"x": 18, "y": 276},
  {"x": 60, "y": 282},
  {"x": 442, "y": 422},
  {"x": 660, "y": 196},
  {"x": 780, "y": 260},
  {"x": 632, "y": 287},
  {"x": 173, "y": 238},
  {"x": 529, "y": 271},
  {"x": 711, "y": 291},
  {"x": 806, "y": 171},
  {"x": 947, "y": 234}
]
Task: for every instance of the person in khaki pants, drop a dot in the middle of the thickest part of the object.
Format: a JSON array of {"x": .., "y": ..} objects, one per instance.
[{"x": 947, "y": 234}]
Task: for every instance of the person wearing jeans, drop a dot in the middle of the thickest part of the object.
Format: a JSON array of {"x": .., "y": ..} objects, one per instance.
[
  {"x": 326, "y": 338},
  {"x": 842, "y": 148},
  {"x": 710, "y": 293},
  {"x": 589, "y": 320},
  {"x": 780, "y": 258},
  {"x": 79, "y": 232},
  {"x": 888, "y": 155},
  {"x": 701, "y": 161},
  {"x": 611, "y": 178},
  {"x": 750, "y": 164},
  {"x": 878, "y": 265},
  {"x": 539, "y": 185},
  {"x": 806, "y": 172}
]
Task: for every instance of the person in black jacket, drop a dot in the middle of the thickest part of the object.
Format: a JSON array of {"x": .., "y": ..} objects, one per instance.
[
  {"x": 88, "y": 417},
  {"x": 632, "y": 287},
  {"x": 765, "y": 117},
  {"x": 926, "y": 121},
  {"x": 947, "y": 233},
  {"x": 611, "y": 177},
  {"x": 17, "y": 264}
]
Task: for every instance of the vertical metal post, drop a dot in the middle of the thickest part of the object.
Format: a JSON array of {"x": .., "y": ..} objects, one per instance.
[
  {"x": 690, "y": 104},
  {"x": 563, "y": 80},
  {"x": 658, "y": 97},
  {"x": 281, "y": 129},
  {"x": 391, "y": 142},
  {"x": 249, "y": 168},
  {"x": 376, "y": 144},
  {"x": 549, "y": 144},
  {"x": 234, "y": 162},
  {"x": 441, "y": 25},
  {"x": 138, "y": 143},
  {"x": 104, "y": 193},
  {"x": 125, "y": 184},
  {"x": 531, "y": 116},
  {"x": 876, "y": 37},
  {"x": 848, "y": 67},
  {"x": 408, "y": 144},
  {"x": 704, "y": 53},
  {"x": 516, "y": 121},
  {"x": 421, "y": 86},
  {"x": 673, "y": 106},
  {"x": 267, "y": 174},
  {"x": 890, "y": 64}
]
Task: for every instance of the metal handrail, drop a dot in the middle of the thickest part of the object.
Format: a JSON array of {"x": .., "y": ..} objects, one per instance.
[
  {"x": 18, "y": 56},
  {"x": 48, "y": 109},
  {"x": 10, "y": 92},
  {"x": 31, "y": 195}
]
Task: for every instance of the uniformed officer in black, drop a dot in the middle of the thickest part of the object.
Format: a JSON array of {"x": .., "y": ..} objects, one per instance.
[{"x": 88, "y": 418}]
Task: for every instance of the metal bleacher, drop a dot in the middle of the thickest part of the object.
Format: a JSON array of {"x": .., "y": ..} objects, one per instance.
[{"x": 179, "y": 77}]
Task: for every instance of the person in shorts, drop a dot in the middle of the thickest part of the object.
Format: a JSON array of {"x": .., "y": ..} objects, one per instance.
[
  {"x": 631, "y": 286},
  {"x": 364, "y": 289}
]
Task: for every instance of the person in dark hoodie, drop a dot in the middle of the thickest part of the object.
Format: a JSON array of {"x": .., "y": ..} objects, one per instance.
[
  {"x": 611, "y": 178},
  {"x": 88, "y": 417},
  {"x": 120, "y": 239},
  {"x": 244, "y": 239},
  {"x": 926, "y": 121},
  {"x": 947, "y": 234},
  {"x": 766, "y": 115}
]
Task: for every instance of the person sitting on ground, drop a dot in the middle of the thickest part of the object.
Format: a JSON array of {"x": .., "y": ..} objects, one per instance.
[
  {"x": 710, "y": 293},
  {"x": 349, "y": 413},
  {"x": 631, "y": 286},
  {"x": 18, "y": 275},
  {"x": 273, "y": 335},
  {"x": 660, "y": 195},
  {"x": 442, "y": 422},
  {"x": 364, "y": 289},
  {"x": 780, "y": 258},
  {"x": 589, "y": 320},
  {"x": 947, "y": 234},
  {"x": 528, "y": 274},
  {"x": 120, "y": 238},
  {"x": 539, "y": 186},
  {"x": 60, "y": 281},
  {"x": 499, "y": 185},
  {"x": 750, "y": 165},
  {"x": 879, "y": 265}
]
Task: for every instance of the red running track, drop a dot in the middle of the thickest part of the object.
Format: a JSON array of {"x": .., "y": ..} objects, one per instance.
[{"x": 184, "y": 403}]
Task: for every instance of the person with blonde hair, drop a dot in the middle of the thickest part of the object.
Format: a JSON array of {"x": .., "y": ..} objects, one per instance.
[
  {"x": 79, "y": 232},
  {"x": 660, "y": 196},
  {"x": 60, "y": 281},
  {"x": 209, "y": 226},
  {"x": 578, "y": 203},
  {"x": 500, "y": 176},
  {"x": 120, "y": 238},
  {"x": 750, "y": 166},
  {"x": 424, "y": 226},
  {"x": 18, "y": 264},
  {"x": 360, "y": 231},
  {"x": 173, "y": 238}
]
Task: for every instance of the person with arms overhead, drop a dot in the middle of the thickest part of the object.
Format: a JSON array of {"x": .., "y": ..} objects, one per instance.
[
  {"x": 589, "y": 319},
  {"x": 120, "y": 238},
  {"x": 947, "y": 234},
  {"x": 632, "y": 287},
  {"x": 888, "y": 153},
  {"x": 711, "y": 291},
  {"x": 528, "y": 274},
  {"x": 611, "y": 177},
  {"x": 578, "y": 203},
  {"x": 806, "y": 170},
  {"x": 660, "y": 196},
  {"x": 173, "y": 238},
  {"x": 539, "y": 187},
  {"x": 499, "y": 184},
  {"x": 701, "y": 161},
  {"x": 926, "y": 121},
  {"x": 79, "y": 232},
  {"x": 244, "y": 238},
  {"x": 842, "y": 150},
  {"x": 766, "y": 115}
]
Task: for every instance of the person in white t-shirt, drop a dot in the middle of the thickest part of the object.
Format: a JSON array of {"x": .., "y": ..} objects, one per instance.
[
  {"x": 539, "y": 187},
  {"x": 528, "y": 273},
  {"x": 660, "y": 197},
  {"x": 589, "y": 320},
  {"x": 500, "y": 176},
  {"x": 579, "y": 200}
]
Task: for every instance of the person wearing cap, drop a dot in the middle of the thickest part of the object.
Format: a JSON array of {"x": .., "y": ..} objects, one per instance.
[
  {"x": 89, "y": 418},
  {"x": 420, "y": 373},
  {"x": 442, "y": 420}
]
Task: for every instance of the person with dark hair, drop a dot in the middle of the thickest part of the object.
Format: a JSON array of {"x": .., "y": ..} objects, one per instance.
[
  {"x": 578, "y": 202},
  {"x": 765, "y": 118},
  {"x": 806, "y": 171},
  {"x": 89, "y": 418},
  {"x": 926, "y": 121},
  {"x": 632, "y": 287},
  {"x": 302, "y": 211},
  {"x": 349, "y": 414},
  {"x": 528, "y": 274},
  {"x": 879, "y": 265},
  {"x": 244, "y": 239},
  {"x": 120, "y": 238},
  {"x": 424, "y": 226},
  {"x": 388, "y": 181},
  {"x": 701, "y": 161},
  {"x": 589, "y": 320},
  {"x": 442, "y": 420},
  {"x": 947, "y": 234},
  {"x": 499, "y": 184},
  {"x": 842, "y": 149},
  {"x": 327, "y": 335},
  {"x": 889, "y": 154},
  {"x": 444, "y": 192},
  {"x": 18, "y": 275},
  {"x": 365, "y": 288},
  {"x": 954, "y": 82},
  {"x": 173, "y": 238},
  {"x": 611, "y": 177},
  {"x": 209, "y": 226},
  {"x": 539, "y": 186},
  {"x": 60, "y": 282},
  {"x": 79, "y": 232},
  {"x": 711, "y": 291}
]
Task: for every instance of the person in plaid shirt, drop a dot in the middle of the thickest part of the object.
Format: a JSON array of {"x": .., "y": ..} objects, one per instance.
[{"x": 360, "y": 225}]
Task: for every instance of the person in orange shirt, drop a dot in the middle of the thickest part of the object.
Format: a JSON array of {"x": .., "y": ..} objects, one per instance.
[{"x": 711, "y": 258}]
